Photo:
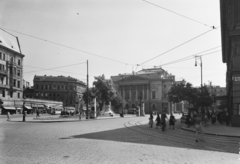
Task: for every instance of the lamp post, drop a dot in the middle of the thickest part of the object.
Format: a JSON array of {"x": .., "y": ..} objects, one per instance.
[
  {"x": 196, "y": 58},
  {"x": 200, "y": 58}
]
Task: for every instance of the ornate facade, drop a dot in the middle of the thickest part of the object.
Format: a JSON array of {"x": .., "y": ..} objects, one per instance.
[
  {"x": 11, "y": 71},
  {"x": 230, "y": 30},
  {"x": 59, "y": 88},
  {"x": 147, "y": 89}
]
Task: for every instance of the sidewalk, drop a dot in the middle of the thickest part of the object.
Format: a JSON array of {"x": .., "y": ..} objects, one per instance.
[
  {"x": 57, "y": 118},
  {"x": 217, "y": 129}
]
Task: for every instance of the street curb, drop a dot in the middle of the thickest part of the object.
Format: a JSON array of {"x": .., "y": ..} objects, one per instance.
[
  {"x": 75, "y": 120},
  {"x": 213, "y": 134}
]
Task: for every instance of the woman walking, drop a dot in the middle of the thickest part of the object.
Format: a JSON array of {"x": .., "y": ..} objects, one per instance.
[
  {"x": 158, "y": 121},
  {"x": 151, "y": 121},
  {"x": 198, "y": 127},
  {"x": 172, "y": 121}
]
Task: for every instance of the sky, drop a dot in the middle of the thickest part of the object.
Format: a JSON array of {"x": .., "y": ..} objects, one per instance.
[{"x": 117, "y": 37}]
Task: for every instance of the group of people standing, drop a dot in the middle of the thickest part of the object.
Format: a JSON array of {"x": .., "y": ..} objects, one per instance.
[{"x": 161, "y": 121}]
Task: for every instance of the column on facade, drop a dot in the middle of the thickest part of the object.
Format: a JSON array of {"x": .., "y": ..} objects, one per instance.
[
  {"x": 130, "y": 93},
  {"x": 137, "y": 92},
  {"x": 123, "y": 92}
]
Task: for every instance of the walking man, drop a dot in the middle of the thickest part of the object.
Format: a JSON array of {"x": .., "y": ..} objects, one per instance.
[
  {"x": 198, "y": 127},
  {"x": 163, "y": 120}
]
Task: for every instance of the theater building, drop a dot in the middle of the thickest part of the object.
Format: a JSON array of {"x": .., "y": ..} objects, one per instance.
[{"x": 146, "y": 88}]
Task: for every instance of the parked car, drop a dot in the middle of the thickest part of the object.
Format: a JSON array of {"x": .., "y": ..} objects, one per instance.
[
  {"x": 131, "y": 111},
  {"x": 184, "y": 117}
]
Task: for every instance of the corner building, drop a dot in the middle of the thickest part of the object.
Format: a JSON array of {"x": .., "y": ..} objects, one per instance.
[
  {"x": 11, "y": 73},
  {"x": 147, "y": 88},
  {"x": 59, "y": 88},
  {"x": 230, "y": 31}
]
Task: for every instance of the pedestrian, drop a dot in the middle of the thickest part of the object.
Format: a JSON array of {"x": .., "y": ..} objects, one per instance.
[
  {"x": 37, "y": 114},
  {"x": 172, "y": 121},
  {"x": 158, "y": 121},
  {"x": 24, "y": 115},
  {"x": 198, "y": 127},
  {"x": 213, "y": 118},
  {"x": 227, "y": 119},
  {"x": 151, "y": 121},
  {"x": 8, "y": 116},
  {"x": 163, "y": 120},
  {"x": 205, "y": 118}
]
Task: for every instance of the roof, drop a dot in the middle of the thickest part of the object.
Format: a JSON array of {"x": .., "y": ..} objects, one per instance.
[
  {"x": 9, "y": 41},
  {"x": 56, "y": 78}
]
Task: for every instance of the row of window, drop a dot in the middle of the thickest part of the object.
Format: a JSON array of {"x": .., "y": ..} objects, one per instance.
[
  {"x": 10, "y": 93},
  {"x": 3, "y": 57},
  {"x": 55, "y": 87},
  {"x": 15, "y": 71},
  {"x": 16, "y": 83}
]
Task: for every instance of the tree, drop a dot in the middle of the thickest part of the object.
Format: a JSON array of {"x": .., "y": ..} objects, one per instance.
[
  {"x": 197, "y": 97},
  {"x": 117, "y": 102},
  {"x": 104, "y": 91}
]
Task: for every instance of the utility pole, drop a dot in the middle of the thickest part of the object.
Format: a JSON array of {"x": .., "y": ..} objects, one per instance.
[
  {"x": 87, "y": 92},
  {"x": 200, "y": 57}
]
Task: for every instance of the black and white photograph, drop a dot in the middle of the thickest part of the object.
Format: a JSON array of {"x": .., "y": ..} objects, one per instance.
[{"x": 119, "y": 81}]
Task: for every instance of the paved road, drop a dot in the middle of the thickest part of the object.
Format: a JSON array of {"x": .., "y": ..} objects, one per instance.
[{"x": 110, "y": 141}]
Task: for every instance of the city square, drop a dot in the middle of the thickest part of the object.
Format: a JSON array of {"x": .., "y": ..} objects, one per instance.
[{"x": 109, "y": 140}]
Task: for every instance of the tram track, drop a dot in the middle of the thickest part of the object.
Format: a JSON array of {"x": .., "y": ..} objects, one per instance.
[{"x": 185, "y": 139}]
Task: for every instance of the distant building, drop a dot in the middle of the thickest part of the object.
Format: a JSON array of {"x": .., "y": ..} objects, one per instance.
[
  {"x": 146, "y": 88},
  {"x": 11, "y": 72},
  {"x": 58, "y": 88},
  {"x": 230, "y": 32}
]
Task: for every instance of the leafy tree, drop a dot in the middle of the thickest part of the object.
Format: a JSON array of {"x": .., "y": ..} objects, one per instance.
[
  {"x": 104, "y": 91},
  {"x": 117, "y": 102},
  {"x": 197, "y": 97}
]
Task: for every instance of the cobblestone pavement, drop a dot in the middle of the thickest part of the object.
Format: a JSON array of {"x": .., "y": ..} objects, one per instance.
[{"x": 110, "y": 141}]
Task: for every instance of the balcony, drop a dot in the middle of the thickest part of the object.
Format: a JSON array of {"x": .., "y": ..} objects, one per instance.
[
  {"x": 3, "y": 86},
  {"x": 3, "y": 72}
]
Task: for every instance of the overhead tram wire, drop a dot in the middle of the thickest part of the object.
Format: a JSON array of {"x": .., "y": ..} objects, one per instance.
[
  {"x": 193, "y": 55},
  {"x": 54, "y": 70},
  {"x": 67, "y": 46},
  {"x": 194, "y": 20},
  {"x": 188, "y": 58},
  {"x": 176, "y": 47},
  {"x": 55, "y": 67}
]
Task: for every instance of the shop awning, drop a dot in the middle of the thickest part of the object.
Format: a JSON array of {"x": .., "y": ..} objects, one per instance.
[
  {"x": 39, "y": 106},
  {"x": 28, "y": 107},
  {"x": 9, "y": 107}
]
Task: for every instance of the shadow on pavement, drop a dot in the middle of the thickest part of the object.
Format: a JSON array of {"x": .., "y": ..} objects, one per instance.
[{"x": 131, "y": 136}]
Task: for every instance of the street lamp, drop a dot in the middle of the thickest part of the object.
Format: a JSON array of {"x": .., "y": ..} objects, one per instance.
[
  {"x": 196, "y": 58},
  {"x": 200, "y": 58}
]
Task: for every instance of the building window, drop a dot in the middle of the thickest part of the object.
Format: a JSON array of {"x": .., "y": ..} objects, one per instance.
[
  {"x": 14, "y": 70},
  {"x": 11, "y": 59},
  {"x": 11, "y": 94},
  {"x": 50, "y": 94},
  {"x": 19, "y": 95},
  {"x": 153, "y": 94},
  {"x": 18, "y": 84},
  {"x": 58, "y": 95},
  {"x": 18, "y": 73},
  {"x": 46, "y": 94},
  {"x": 19, "y": 62},
  {"x": 36, "y": 94},
  {"x": 0, "y": 55},
  {"x": 41, "y": 94},
  {"x": 3, "y": 56},
  {"x": 14, "y": 82},
  {"x": 3, "y": 93},
  {"x": 165, "y": 86}
]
